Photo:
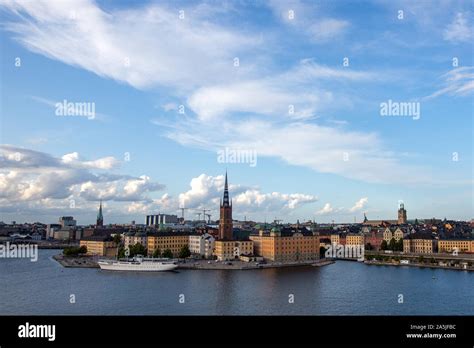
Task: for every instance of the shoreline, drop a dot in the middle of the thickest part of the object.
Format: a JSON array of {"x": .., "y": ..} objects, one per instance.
[
  {"x": 419, "y": 265},
  {"x": 91, "y": 262}
]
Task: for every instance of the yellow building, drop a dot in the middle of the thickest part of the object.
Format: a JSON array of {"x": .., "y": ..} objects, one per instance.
[
  {"x": 286, "y": 245},
  {"x": 335, "y": 239},
  {"x": 99, "y": 246},
  {"x": 418, "y": 245},
  {"x": 173, "y": 241},
  {"x": 232, "y": 249},
  {"x": 355, "y": 239},
  {"x": 460, "y": 245}
]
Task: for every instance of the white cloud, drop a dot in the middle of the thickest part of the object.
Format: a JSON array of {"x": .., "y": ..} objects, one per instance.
[
  {"x": 207, "y": 190},
  {"x": 326, "y": 210},
  {"x": 29, "y": 175},
  {"x": 101, "y": 163},
  {"x": 359, "y": 205},
  {"x": 459, "y": 30},
  {"x": 143, "y": 47},
  {"x": 327, "y": 29}
]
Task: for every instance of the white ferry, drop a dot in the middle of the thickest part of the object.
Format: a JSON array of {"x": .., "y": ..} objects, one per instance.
[{"x": 138, "y": 263}]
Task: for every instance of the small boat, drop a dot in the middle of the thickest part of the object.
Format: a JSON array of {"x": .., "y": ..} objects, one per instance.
[{"x": 139, "y": 263}]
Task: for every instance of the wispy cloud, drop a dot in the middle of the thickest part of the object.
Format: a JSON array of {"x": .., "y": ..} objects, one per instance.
[{"x": 458, "y": 82}]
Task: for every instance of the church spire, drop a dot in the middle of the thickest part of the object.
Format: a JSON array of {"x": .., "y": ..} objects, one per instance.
[
  {"x": 100, "y": 217},
  {"x": 225, "y": 201}
]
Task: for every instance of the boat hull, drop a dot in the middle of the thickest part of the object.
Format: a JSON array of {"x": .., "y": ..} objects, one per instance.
[{"x": 141, "y": 267}]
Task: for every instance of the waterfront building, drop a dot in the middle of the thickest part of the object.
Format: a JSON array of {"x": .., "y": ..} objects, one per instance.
[
  {"x": 132, "y": 238},
  {"x": 100, "y": 217},
  {"x": 355, "y": 239},
  {"x": 419, "y": 243},
  {"x": 233, "y": 249},
  {"x": 225, "y": 222},
  {"x": 163, "y": 240},
  {"x": 459, "y": 245},
  {"x": 402, "y": 214},
  {"x": 99, "y": 246},
  {"x": 202, "y": 245},
  {"x": 338, "y": 238},
  {"x": 285, "y": 244}
]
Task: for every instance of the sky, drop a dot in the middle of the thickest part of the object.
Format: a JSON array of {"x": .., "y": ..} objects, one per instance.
[{"x": 332, "y": 109}]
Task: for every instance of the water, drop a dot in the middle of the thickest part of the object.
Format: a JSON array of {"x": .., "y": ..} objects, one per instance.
[{"x": 351, "y": 288}]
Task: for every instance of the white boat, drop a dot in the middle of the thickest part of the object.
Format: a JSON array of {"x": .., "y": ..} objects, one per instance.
[{"x": 138, "y": 263}]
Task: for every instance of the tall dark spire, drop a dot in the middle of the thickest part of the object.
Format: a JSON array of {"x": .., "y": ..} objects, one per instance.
[
  {"x": 225, "y": 222},
  {"x": 100, "y": 217},
  {"x": 225, "y": 202}
]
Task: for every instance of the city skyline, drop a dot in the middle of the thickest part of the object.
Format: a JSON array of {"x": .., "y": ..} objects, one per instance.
[{"x": 301, "y": 93}]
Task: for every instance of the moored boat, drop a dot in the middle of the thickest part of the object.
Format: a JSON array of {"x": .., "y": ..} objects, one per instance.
[{"x": 139, "y": 263}]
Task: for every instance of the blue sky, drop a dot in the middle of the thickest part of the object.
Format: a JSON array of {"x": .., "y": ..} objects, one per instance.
[{"x": 333, "y": 158}]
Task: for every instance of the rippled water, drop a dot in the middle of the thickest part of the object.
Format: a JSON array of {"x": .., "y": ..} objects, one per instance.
[{"x": 44, "y": 287}]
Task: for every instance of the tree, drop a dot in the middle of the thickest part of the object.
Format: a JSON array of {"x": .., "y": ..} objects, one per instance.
[
  {"x": 383, "y": 245},
  {"x": 322, "y": 252},
  {"x": 421, "y": 259},
  {"x": 75, "y": 251},
  {"x": 399, "y": 245},
  {"x": 368, "y": 246},
  {"x": 391, "y": 245},
  {"x": 184, "y": 252},
  {"x": 121, "y": 252},
  {"x": 117, "y": 239},
  {"x": 157, "y": 253},
  {"x": 168, "y": 254},
  {"x": 137, "y": 249}
]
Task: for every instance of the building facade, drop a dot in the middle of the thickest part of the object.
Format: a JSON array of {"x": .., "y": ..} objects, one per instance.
[
  {"x": 67, "y": 221},
  {"x": 132, "y": 238},
  {"x": 161, "y": 219},
  {"x": 286, "y": 245},
  {"x": 355, "y": 239},
  {"x": 202, "y": 245},
  {"x": 456, "y": 245},
  {"x": 99, "y": 246},
  {"x": 162, "y": 241},
  {"x": 390, "y": 233},
  {"x": 233, "y": 249},
  {"x": 419, "y": 244}
]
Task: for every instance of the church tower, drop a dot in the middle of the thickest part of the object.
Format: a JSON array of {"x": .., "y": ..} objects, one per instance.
[
  {"x": 402, "y": 214},
  {"x": 225, "y": 222},
  {"x": 100, "y": 218}
]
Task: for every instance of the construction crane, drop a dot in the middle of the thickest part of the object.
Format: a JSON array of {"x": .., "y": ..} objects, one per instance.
[
  {"x": 199, "y": 216},
  {"x": 204, "y": 213},
  {"x": 208, "y": 218}
]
